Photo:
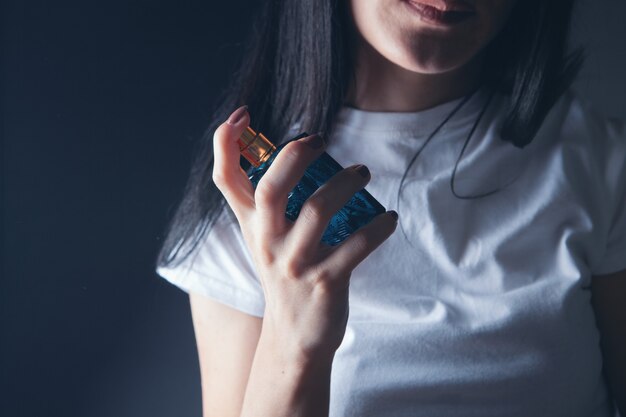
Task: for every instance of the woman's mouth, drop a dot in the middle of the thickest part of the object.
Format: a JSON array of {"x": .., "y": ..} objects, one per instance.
[{"x": 442, "y": 12}]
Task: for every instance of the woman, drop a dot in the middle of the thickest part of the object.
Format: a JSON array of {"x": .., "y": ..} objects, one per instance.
[{"x": 510, "y": 210}]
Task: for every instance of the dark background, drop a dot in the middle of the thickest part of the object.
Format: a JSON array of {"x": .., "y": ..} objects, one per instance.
[{"x": 101, "y": 104}]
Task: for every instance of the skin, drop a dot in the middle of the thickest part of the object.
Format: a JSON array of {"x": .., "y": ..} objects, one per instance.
[
  {"x": 280, "y": 365},
  {"x": 305, "y": 283},
  {"x": 405, "y": 63}
]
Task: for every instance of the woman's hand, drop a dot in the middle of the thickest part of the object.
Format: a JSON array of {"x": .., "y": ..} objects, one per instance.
[{"x": 305, "y": 282}]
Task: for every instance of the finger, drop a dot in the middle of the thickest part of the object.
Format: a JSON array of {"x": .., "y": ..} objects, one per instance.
[
  {"x": 282, "y": 177},
  {"x": 360, "y": 244},
  {"x": 228, "y": 175},
  {"x": 325, "y": 202}
]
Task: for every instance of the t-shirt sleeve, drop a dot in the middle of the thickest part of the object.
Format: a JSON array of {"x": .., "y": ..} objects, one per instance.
[
  {"x": 220, "y": 268},
  {"x": 614, "y": 258}
]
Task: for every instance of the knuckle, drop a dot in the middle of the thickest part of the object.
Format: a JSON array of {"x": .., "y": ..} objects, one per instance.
[
  {"x": 322, "y": 278},
  {"x": 327, "y": 282},
  {"x": 219, "y": 179},
  {"x": 265, "y": 192},
  {"x": 294, "y": 268},
  {"x": 265, "y": 255},
  {"x": 219, "y": 133},
  {"x": 314, "y": 209},
  {"x": 361, "y": 242},
  {"x": 293, "y": 150}
]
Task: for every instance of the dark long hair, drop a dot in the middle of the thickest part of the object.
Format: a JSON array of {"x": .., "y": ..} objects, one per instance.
[{"x": 298, "y": 65}]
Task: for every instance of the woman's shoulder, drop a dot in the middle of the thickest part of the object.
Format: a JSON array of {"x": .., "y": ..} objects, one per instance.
[
  {"x": 220, "y": 267},
  {"x": 591, "y": 146},
  {"x": 581, "y": 120},
  {"x": 581, "y": 133}
]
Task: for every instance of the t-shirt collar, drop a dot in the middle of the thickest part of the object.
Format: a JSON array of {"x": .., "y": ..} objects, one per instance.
[{"x": 412, "y": 124}]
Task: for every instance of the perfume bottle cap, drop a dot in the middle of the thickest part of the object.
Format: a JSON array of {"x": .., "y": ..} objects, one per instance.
[{"x": 255, "y": 147}]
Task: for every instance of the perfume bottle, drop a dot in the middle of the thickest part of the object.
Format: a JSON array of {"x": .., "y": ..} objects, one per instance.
[{"x": 361, "y": 208}]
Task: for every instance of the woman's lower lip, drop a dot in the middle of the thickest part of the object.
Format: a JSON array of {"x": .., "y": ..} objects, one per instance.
[{"x": 439, "y": 17}]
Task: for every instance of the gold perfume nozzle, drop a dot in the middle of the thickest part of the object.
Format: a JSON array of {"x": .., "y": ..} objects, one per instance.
[{"x": 255, "y": 147}]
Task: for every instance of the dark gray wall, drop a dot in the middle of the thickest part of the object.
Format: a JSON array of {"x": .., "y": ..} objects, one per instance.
[
  {"x": 101, "y": 102},
  {"x": 599, "y": 26}
]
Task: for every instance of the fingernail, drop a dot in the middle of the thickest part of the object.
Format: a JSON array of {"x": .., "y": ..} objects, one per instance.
[
  {"x": 363, "y": 171},
  {"x": 314, "y": 141},
  {"x": 393, "y": 214},
  {"x": 237, "y": 115}
]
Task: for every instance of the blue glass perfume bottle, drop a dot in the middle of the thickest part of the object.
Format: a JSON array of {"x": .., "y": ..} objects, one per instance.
[{"x": 359, "y": 211}]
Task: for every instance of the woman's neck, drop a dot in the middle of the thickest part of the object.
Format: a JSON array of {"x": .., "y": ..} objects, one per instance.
[{"x": 380, "y": 85}]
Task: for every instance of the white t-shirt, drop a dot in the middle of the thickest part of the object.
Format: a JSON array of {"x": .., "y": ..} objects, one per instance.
[{"x": 473, "y": 307}]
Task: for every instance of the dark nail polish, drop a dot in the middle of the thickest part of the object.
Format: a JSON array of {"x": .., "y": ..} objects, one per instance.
[
  {"x": 363, "y": 171},
  {"x": 314, "y": 141},
  {"x": 393, "y": 214},
  {"x": 237, "y": 115}
]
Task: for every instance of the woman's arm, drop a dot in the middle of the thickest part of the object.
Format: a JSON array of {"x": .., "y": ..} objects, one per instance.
[
  {"x": 227, "y": 340},
  {"x": 285, "y": 383},
  {"x": 305, "y": 283},
  {"x": 608, "y": 297}
]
